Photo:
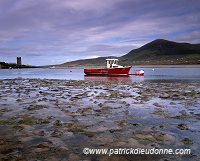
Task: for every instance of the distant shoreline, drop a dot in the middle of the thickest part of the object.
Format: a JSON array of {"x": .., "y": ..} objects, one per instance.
[
  {"x": 168, "y": 66},
  {"x": 141, "y": 66}
]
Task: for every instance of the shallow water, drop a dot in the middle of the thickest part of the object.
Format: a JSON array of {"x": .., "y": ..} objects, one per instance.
[{"x": 151, "y": 74}]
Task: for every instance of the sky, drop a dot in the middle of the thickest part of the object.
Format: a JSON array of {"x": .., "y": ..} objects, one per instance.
[{"x": 47, "y": 32}]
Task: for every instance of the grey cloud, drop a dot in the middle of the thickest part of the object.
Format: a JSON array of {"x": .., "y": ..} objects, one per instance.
[
  {"x": 193, "y": 37},
  {"x": 77, "y": 29}
]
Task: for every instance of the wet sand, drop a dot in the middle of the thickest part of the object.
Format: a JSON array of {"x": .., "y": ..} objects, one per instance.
[{"x": 56, "y": 119}]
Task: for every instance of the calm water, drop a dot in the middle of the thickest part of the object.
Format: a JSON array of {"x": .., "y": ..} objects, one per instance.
[{"x": 151, "y": 74}]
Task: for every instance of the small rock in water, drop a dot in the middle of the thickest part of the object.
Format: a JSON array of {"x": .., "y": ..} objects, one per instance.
[
  {"x": 182, "y": 127},
  {"x": 36, "y": 107},
  {"x": 161, "y": 126},
  {"x": 183, "y": 113},
  {"x": 56, "y": 133},
  {"x": 187, "y": 141},
  {"x": 100, "y": 104},
  {"x": 165, "y": 96},
  {"x": 42, "y": 147},
  {"x": 135, "y": 124},
  {"x": 158, "y": 105},
  {"x": 172, "y": 103},
  {"x": 41, "y": 133},
  {"x": 121, "y": 123},
  {"x": 63, "y": 149},
  {"x": 58, "y": 123},
  {"x": 18, "y": 100}
]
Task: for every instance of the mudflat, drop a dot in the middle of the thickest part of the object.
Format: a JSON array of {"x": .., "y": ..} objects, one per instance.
[{"x": 43, "y": 119}]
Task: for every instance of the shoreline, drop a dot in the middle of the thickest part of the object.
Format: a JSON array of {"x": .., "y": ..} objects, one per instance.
[
  {"x": 146, "y": 66},
  {"x": 138, "y": 66},
  {"x": 168, "y": 66}
]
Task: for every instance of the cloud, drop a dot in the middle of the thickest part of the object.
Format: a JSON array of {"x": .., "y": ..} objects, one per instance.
[
  {"x": 92, "y": 57},
  {"x": 193, "y": 37},
  {"x": 64, "y": 30}
]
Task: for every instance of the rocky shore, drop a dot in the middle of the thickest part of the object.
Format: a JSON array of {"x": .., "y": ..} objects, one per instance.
[{"x": 55, "y": 119}]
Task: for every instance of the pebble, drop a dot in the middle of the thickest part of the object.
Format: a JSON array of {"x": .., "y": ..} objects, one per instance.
[
  {"x": 165, "y": 96},
  {"x": 187, "y": 141},
  {"x": 182, "y": 127}
]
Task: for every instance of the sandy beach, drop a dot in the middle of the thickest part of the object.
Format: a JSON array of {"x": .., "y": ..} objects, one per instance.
[{"x": 43, "y": 119}]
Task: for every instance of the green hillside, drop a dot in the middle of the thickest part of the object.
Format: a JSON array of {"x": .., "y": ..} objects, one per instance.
[
  {"x": 160, "y": 52},
  {"x": 157, "y": 52}
]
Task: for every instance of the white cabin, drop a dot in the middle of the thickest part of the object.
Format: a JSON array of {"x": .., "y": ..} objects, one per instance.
[{"x": 113, "y": 63}]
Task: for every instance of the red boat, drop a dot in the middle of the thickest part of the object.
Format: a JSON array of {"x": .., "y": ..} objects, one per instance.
[{"x": 112, "y": 69}]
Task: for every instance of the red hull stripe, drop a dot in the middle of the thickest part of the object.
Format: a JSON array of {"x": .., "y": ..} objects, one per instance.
[{"x": 108, "y": 71}]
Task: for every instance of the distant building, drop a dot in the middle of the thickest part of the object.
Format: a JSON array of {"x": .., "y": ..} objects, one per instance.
[{"x": 19, "y": 61}]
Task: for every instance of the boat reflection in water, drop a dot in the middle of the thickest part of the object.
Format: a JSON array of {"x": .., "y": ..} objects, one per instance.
[{"x": 125, "y": 79}]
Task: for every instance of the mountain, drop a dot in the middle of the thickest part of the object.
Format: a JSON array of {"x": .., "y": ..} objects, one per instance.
[
  {"x": 157, "y": 52},
  {"x": 163, "y": 52}
]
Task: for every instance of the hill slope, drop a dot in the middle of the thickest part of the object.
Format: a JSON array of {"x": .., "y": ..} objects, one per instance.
[
  {"x": 164, "y": 52},
  {"x": 88, "y": 62},
  {"x": 157, "y": 52}
]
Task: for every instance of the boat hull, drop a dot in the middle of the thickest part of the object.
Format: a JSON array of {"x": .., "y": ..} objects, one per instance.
[{"x": 108, "y": 71}]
